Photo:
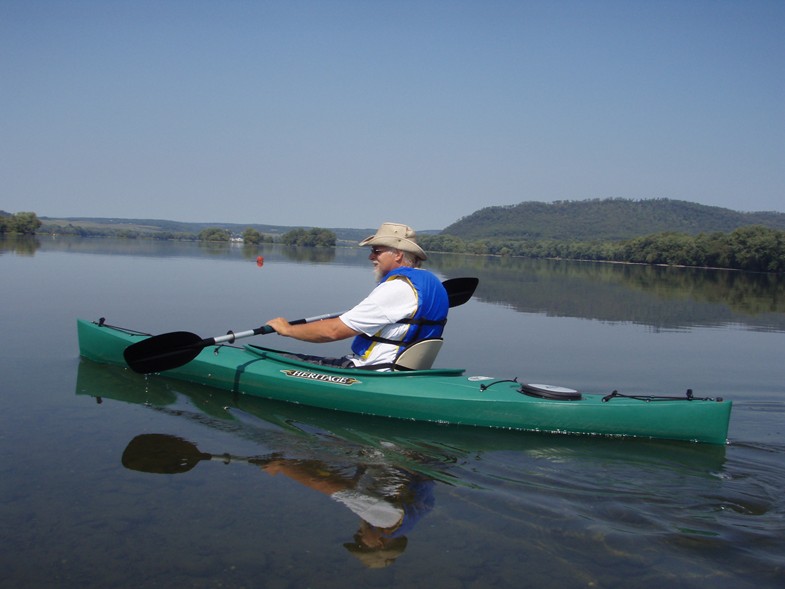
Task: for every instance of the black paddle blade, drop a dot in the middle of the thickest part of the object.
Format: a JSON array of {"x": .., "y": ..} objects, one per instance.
[
  {"x": 161, "y": 454},
  {"x": 460, "y": 290},
  {"x": 163, "y": 352}
]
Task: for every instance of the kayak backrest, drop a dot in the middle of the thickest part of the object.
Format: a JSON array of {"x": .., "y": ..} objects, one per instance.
[{"x": 419, "y": 356}]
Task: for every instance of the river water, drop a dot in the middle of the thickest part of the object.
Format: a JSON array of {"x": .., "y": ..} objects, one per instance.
[{"x": 106, "y": 477}]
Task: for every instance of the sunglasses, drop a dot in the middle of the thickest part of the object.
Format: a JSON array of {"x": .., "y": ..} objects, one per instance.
[{"x": 378, "y": 251}]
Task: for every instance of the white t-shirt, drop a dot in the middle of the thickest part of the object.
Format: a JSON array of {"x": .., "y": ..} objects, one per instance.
[
  {"x": 374, "y": 510},
  {"x": 387, "y": 304}
]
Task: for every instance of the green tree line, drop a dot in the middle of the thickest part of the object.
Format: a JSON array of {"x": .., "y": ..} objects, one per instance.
[
  {"x": 298, "y": 237},
  {"x": 21, "y": 223},
  {"x": 28, "y": 223},
  {"x": 753, "y": 249},
  {"x": 309, "y": 237}
]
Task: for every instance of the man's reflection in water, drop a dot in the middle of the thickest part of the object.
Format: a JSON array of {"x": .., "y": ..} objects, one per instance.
[{"x": 389, "y": 501}]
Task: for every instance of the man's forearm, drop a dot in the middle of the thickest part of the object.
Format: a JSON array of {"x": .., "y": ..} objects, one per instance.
[{"x": 327, "y": 330}]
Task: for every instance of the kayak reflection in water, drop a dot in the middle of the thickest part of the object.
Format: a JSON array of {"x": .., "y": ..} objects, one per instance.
[
  {"x": 389, "y": 501},
  {"x": 409, "y": 304}
]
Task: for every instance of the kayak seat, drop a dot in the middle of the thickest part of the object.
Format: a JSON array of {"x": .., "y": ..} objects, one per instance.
[{"x": 420, "y": 355}]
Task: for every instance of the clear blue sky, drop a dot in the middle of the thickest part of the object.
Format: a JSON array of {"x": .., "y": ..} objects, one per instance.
[{"x": 340, "y": 113}]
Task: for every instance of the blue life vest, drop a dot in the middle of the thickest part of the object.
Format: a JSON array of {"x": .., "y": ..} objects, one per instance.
[{"x": 429, "y": 319}]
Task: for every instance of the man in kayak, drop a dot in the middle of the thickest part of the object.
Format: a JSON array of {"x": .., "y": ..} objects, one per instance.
[{"x": 409, "y": 304}]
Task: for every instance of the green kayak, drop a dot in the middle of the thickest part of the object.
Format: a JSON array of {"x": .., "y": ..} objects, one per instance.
[{"x": 433, "y": 395}]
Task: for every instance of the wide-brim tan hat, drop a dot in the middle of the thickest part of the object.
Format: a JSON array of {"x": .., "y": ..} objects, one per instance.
[
  {"x": 398, "y": 236},
  {"x": 378, "y": 558}
]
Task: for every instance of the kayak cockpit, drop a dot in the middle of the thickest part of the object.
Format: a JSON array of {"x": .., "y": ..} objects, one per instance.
[{"x": 283, "y": 357}]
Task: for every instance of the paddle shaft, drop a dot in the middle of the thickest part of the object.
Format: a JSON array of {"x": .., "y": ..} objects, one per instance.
[
  {"x": 263, "y": 330},
  {"x": 171, "y": 350}
]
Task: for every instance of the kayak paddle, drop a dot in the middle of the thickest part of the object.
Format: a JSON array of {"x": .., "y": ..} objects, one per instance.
[
  {"x": 165, "y": 454},
  {"x": 460, "y": 290},
  {"x": 176, "y": 348}
]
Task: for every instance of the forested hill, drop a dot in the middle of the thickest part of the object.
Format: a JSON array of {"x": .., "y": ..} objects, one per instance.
[{"x": 605, "y": 220}]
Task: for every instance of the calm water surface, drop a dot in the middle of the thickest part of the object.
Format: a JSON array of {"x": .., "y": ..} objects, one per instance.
[{"x": 107, "y": 478}]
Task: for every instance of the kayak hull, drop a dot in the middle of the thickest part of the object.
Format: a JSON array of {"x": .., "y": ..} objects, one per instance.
[{"x": 436, "y": 395}]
